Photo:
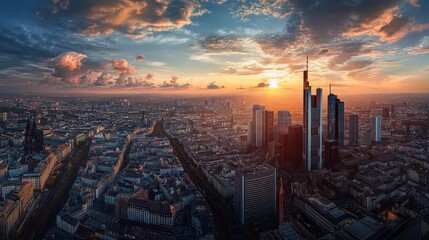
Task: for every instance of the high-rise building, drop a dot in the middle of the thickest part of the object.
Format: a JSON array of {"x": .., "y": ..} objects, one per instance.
[
  {"x": 284, "y": 120},
  {"x": 249, "y": 132},
  {"x": 4, "y": 116},
  {"x": 312, "y": 121},
  {"x": 228, "y": 105},
  {"x": 393, "y": 110},
  {"x": 255, "y": 108},
  {"x": 255, "y": 193},
  {"x": 386, "y": 111},
  {"x": 376, "y": 129},
  {"x": 269, "y": 127},
  {"x": 291, "y": 153},
  {"x": 335, "y": 118},
  {"x": 353, "y": 130},
  {"x": 260, "y": 128},
  {"x": 330, "y": 153}
]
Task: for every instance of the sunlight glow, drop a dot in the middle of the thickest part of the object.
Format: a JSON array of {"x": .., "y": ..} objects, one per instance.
[{"x": 273, "y": 83}]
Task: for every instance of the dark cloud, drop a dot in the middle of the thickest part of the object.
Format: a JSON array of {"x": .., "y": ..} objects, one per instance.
[
  {"x": 213, "y": 85},
  {"x": 324, "y": 51},
  {"x": 140, "y": 58},
  {"x": 395, "y": 28},
  {"x": 327, "y": 19},
  {"x": 132, "y": 18},
  {"x": 262, "y": 85}
]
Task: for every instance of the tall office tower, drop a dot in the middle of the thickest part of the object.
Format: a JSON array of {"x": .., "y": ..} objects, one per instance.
[
  {"x": 249, "y": 132},
  {"x": 392, "y": 110},
  {"x": 284, "y": 120},
  {"x": 312, "y": 121},
  {"x": 353, "y": 130},
  {"x": 4, "y": 116},
  {"x": 335, "y": 118},
  {"x": 269, "y": 127},
  {"x": 255, "y": 108},
  {"x": 330, "y": 153},
  {"x": 228, "y": 105},
  {"x": 386, "y": 112},
  {"x": 291, "y": 153},
  {"x": 260, "y": 128},
  {"x": 376, "y": 129},
  {"x": 255, "y": 193}
]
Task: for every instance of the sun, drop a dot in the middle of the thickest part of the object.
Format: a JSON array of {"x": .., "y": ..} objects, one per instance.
[{"x": 273, "y": 83}]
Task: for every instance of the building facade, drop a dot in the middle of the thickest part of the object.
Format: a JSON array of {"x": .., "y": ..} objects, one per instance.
[
  {"x": 255, "y": 193},
  {"x": 376, "y": 129}
]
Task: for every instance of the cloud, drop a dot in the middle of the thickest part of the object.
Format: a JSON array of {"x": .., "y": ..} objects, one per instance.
[
  {"x": 324, "y": 51},
  {"x": 353, "y": 65},
  {"x": 262, "y": 85},
  {"x": 272, "y": 8},
  {"x": 122, "y": 67},
  {"x": 149, "y": 77},
  {"x": 104, "y": 79},
  {"x": 224, "y": 44},
  {"x": 173, "y": 84},
  {"x": 213, "y": 85},
  {"x": 395, "y": 29},
  {"x": 140, "y": 58},
  {"x": 421, "y": 48},
  {"x": 244, "y": 70},
  {"x": 64, "y": 65},
  {"x": 134, "y": 19},
  {"x": 162, "y": 39}
]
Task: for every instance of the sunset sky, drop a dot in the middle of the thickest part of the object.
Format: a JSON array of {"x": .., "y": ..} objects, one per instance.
[{"x": 213, "y": 46}]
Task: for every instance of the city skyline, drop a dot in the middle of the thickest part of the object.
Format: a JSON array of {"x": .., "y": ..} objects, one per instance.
[{"x": 212, "y": 47}]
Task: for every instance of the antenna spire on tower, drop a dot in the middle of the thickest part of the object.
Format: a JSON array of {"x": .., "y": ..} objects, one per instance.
[
  {"x": 330, "y": 88},
  {"x": 307, "y": 62}
]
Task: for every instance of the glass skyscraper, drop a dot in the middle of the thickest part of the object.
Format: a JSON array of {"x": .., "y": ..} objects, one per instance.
[
  {"x": 353, "y": 130},
  {"x": 312, "y": 122},
  {"x": 335, "y": 118}
]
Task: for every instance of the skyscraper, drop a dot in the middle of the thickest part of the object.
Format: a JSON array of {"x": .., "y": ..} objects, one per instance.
[
  {"x": 386, "y": 111},
  {"x": 269, "y": 127},
  {"x": 330, "y": 153},
  {"x": 353, "y": 130},
  {"x": 335, "y": 118},
  {"x": 312, "y": 121},
  {"x": 291, "y": 153},
  {"x": 376, "y": 128},
  {"x": 255, "y": 108},
  {"x": 284, "y": 120},
  {"x": 249, "y": 132},
  {"x": 259, "y": 128},
  {"x": 255, "y": 193},
  {"x": 392, "y": 110}
]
